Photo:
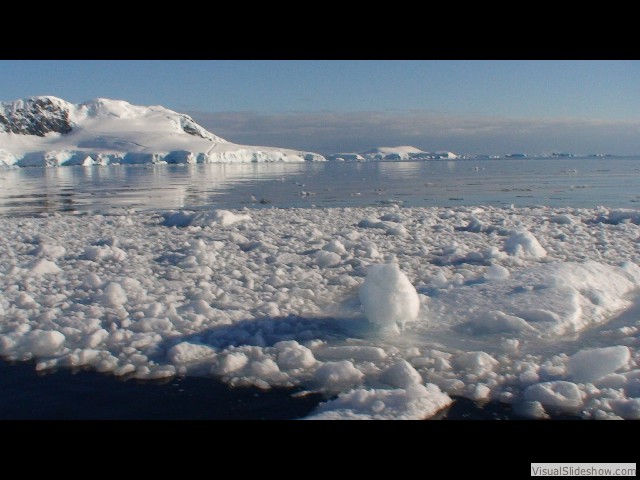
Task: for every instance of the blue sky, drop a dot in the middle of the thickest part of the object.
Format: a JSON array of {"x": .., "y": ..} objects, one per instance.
[{"x": 464, "y": 106}]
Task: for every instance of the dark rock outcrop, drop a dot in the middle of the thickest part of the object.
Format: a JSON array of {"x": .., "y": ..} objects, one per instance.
[{"x": 35, "y": 116}]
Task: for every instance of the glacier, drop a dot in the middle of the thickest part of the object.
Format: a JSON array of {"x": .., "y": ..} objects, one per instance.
[{"x": 47, "y": 131}]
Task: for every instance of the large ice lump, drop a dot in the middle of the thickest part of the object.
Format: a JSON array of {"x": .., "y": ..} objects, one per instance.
[{"x": 388, "y": 298}]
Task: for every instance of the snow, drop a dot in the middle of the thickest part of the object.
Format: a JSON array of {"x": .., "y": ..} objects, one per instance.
[
  {"x": 245, "y": 297},
  {"x": 388, "y": 298},
  {"x": 105, "y": 131}
]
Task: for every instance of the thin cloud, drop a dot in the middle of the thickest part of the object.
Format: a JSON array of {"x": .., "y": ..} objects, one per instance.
[{"x": 329, "y": 132}]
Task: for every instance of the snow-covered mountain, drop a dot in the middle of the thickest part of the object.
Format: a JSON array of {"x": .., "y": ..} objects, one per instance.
[
  {"x": 48, "y": 131},
  {"x": 401, "y": 153}
]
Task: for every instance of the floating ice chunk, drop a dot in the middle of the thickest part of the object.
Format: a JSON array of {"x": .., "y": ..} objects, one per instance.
[
  {"x": 522, "y": 243},
  {"x": 327, "y": 259},
  {"x": 338, "y": 376},
  {"x": 558, "y": 394},
  {"x": 616, "y": 217},
  {"x": 480, "y": 392},
  {"x": 496, "y": 273},
  {"x": 401, "y": 375},
  {"x": 26, "y": 301},
  {"x": 114, "y": 295},
  {"x": 612, "y": 380},
  {"x": 185, "y": 352},
  {"x": 226, "y": 218},
  {"x": 358, "y": 353},
  {"x": 562, "y": 220},
  {"x": 177, "y": 219},
  {"x": 576, "y": 295},
  {"x": 223, "y": 218},
  {"x": 554, "y": 298},
  {"x": 440, "y": 280},
  {"x": 105, "y": 253},
  {"x": 629, "y": 408},
  {"x": 96, "y": 338},
  {"x": 475, "y": 225},
  {"x": 42, "y": 343},
  {"x": 44, "y": 267},
  {"x": 393, "y": 217},
  {"x": 388, "y": 298},
  {"x": 291, "y": 355},
  {"x": 265, "y": 368},
  {"x": 237, "y": 238},
  {"x": 590, "y": 365},
  {"x": 477, "y": 363},
  {"x": 371, "y": 223},
  {"x": 83, "y": 357},
  {"x": 511, "y": 344},
  {"x": 335, "y": 246},
  {"x": 92, "y": 281},
  {"x": 531, "y": 409},
  {"x": 398, "y": 231},
  {"x": 495, "y": 321},
  {"x": 371, "y": 251},
  {"x": 158, "y": 325},
  {"x": 7, "y": 344},
  {"x": 414, "y": 403},
  {"x": 50, "y": 251},
  {"x": 232, "y": 363}
]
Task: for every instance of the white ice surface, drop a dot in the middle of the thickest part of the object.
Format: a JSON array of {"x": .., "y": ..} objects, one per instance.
[{"x": 245, "y": 296}]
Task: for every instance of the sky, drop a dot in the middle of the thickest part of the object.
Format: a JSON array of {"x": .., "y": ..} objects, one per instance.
[{"x": 469, "y": 107}]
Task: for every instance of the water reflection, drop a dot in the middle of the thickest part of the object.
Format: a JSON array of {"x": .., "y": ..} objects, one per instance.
[
  {"x": 400, "y": 169},
  {"x": 442, "y": 183},
  {"x": 98, "y": 188}
]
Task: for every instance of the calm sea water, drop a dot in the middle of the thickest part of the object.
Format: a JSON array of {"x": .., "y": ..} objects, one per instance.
[{"x": 613, "y": 182}]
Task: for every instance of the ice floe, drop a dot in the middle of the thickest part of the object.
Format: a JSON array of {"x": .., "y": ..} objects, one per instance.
[{"x": 391, "y": 312}]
